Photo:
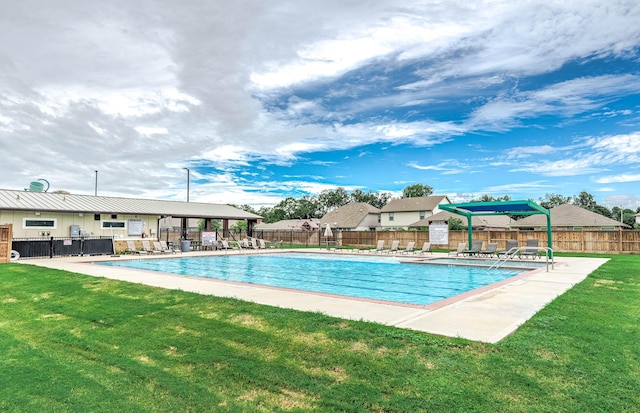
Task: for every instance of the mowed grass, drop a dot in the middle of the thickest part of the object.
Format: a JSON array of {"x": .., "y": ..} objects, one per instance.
[{"x": 74, "y": 343}]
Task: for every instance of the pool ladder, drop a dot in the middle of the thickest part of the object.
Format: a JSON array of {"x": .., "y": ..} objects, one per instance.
[{"x": 514, "y": 251}]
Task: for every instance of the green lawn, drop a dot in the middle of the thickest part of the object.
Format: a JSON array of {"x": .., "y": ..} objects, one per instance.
[{"x": 73, "y": 343}]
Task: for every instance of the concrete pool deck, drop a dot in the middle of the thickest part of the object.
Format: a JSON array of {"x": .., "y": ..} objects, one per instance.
[{"x": 487, "y": 315}]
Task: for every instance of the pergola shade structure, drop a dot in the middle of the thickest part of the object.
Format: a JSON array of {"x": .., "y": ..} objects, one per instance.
[{"x": 498, "y": 208}]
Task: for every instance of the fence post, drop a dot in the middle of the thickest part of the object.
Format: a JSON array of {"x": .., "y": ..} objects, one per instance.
[{"x": 620, "y": 240}]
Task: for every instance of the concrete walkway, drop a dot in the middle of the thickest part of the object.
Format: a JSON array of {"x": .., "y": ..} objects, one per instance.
[{"x": 488, "y": 314}]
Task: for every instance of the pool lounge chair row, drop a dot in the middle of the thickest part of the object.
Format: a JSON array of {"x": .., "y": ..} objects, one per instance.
[
  {"x": 511, "y": 250},
  {"x": 395, "y": 248},
  {"x": 159, "y": 247}
]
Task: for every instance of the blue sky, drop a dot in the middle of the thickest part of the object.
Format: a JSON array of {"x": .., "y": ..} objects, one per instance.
[{"x": 262, "y": 100}]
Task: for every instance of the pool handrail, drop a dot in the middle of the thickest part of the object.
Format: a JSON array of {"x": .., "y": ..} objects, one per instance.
[{"x": 514, "y": 251}]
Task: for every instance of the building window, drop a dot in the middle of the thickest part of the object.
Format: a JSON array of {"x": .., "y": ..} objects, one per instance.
[
  {"x": 390, "y": 216},
  {"x": 422, "y": 214},
  {"x": 113, "y": 224},
  {"x": 39, "y": 223},
  {"x": 607, "y": 228}
]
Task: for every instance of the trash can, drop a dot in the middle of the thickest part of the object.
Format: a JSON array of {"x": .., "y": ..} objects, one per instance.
[{"x": 186, "y": 245}]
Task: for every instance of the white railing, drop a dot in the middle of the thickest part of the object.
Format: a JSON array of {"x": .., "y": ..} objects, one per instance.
[{"x": 506, "y": 256}]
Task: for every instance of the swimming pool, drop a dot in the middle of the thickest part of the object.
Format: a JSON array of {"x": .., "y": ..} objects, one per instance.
[{"x": 370, "y": 277}]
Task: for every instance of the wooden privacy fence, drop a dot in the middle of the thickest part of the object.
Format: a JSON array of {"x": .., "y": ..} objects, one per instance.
[{"x": 596, "y": 242}]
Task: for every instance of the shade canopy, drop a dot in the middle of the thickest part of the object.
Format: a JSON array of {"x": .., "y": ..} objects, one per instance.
[{"x": 470, "y": 209}]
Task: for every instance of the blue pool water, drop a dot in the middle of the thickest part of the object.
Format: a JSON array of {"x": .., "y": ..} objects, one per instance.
[{"x": 379, "y": 278}]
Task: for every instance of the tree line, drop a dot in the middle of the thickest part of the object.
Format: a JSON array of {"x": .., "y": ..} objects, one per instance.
[{"x": 317, "y": 206}]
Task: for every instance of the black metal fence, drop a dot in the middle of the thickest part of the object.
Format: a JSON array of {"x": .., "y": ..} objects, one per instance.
[{"x": 60, "y": 247}]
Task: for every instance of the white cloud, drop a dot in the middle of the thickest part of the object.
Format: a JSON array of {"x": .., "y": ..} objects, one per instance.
[
  {"x": 618, "y": 178},
  {"x": 138, "y": 90}
]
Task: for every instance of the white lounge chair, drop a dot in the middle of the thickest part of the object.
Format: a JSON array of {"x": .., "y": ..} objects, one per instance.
[
  {"x": 460, "y": 250},
  {"x": 131, "y": 247},
  {"x": 379, "y": 247},
  {"x": 426, "y": 248},
  {"x": 146, "y": 246},
  {"x": 409, "y": 249},
  {"x": 165, "y": 247},
  {"x": 394, "y": 247},
  {"x": 157, "y": 248}
]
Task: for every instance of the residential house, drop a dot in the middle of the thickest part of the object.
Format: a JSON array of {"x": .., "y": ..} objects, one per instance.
[
  {"x": 569, "y": 217},
  {"x": 478, "y": 222},
  {"x": 402, "y": 212},
  {"x": 354, "y": 216}
]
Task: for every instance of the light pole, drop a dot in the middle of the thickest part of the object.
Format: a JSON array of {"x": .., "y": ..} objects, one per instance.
[
  {"x": 188, "y": 179},
  {"x": 185, "y": 230},
  {"x": 96, "y": 191}
]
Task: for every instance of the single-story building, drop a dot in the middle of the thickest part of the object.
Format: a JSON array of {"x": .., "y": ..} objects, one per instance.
[
  {"x": 478, "y": 222},
  {"x": 570, "y": 217},
  {"x": 402, "y": 212},
  {"x": 354, "y": 216},
  {"x": 51, "y": 214}
]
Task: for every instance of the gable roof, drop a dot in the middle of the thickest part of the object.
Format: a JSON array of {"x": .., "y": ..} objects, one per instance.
[
  {"x": 13, "y": 200},
  {"x": 486, "y": 221},
  {"x": 349, "y": 215},
  {"x": 568, "y": 215},
  {"x": 423, "y": 203},
  {"x": 290, "y": 224}
]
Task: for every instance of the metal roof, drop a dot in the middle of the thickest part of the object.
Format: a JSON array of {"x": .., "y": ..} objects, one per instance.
[{"x": 59, "y": 202}]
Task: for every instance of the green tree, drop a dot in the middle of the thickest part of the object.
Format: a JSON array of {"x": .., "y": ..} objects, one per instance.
[
  {"x": 585, "y": 200},
  {"x": 377, "y": 200},
  {"x": 332, "y": 199},
  {"x": 455, "y": 224},
  {"x": 602, "y": 210},
  {"x": 553, "y": 200},
  {"x": 624, "y": 215},
  {"x": 416, "y": 190}
]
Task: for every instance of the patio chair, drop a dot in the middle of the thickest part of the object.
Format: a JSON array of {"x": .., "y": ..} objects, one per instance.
[
  {"x": 157, "y": 248},
  {"x": 394, "y": 247},
  {"x": 224, "y": 244},
  {"x": 531, "y": 250},
  {"x": 490, "y": 250},
  {"x": 261, "y": 244},
  {"x": 165, "y": 247},
  {"x": 476, "y": 246},
  {"x": 146, "y": 246},
  {"x": 131, "y": 247},
  {"x": 426, "y": 248},
  {"x": 510, "y": 249},
  {"x": 461, "y": 247},
  {"x": 409, "y": 248},
  {"x": 379, "y": 247}
]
